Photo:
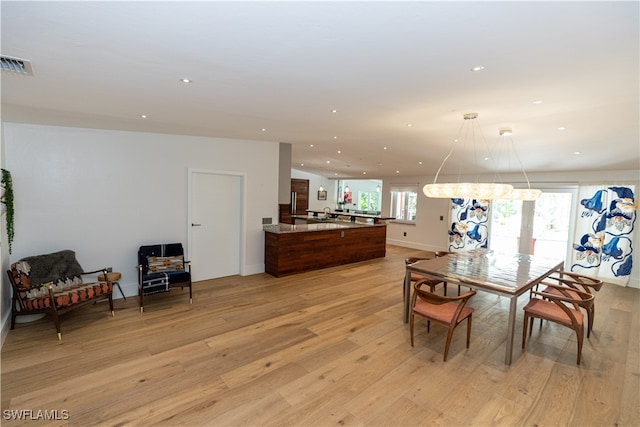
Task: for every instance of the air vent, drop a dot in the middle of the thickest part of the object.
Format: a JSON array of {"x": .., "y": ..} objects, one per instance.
[{"x": 16, "y": 65}]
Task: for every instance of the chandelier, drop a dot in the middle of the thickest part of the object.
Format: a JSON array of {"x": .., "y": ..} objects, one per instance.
[
  {"x": 481, "y": 190},
  {"x": 466, "y": 190}
]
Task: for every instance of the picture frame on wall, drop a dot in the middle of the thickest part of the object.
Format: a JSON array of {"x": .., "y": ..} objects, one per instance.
[{"x": 322, "y": 195}]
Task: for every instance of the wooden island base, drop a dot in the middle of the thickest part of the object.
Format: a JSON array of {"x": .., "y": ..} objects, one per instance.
[{"x": 291, "y": 249}]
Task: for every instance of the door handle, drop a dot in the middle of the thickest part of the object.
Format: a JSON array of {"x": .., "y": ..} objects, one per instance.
[{"x": 195, "y": 225}]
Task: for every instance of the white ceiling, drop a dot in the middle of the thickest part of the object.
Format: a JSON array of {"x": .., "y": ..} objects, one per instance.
[{"x": 284, "y": 66}]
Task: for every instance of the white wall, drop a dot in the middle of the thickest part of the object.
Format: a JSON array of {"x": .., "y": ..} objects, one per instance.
[{"x": 104, "y": 193}]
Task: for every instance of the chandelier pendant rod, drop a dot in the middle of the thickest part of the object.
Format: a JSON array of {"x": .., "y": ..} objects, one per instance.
[{"x": 453, "y": 146}]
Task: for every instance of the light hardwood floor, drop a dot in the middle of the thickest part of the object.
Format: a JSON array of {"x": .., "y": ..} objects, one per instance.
[{"x": 319, "y": 349}]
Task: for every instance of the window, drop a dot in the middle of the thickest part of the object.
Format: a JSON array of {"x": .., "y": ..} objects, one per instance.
[
  {"x": 369, "y": 201},
  {"x": 535, "y": 227},
  {"x": 404, "y": 201}
]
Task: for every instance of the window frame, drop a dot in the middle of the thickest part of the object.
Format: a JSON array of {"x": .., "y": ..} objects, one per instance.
[{"x": 404, "y": 200}]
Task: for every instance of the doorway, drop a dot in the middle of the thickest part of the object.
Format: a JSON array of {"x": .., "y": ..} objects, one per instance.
[
  {"x": 539, "y": 227},
  {"x": 216, "y": 217}
]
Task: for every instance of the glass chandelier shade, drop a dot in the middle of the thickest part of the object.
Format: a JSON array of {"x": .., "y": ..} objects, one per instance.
[
  {"x": 524, "y": 194},
  {"x": 468, "y": 190}
]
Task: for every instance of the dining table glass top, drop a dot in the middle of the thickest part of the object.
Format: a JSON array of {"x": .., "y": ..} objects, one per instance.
[{"x": 508, "y": 273}]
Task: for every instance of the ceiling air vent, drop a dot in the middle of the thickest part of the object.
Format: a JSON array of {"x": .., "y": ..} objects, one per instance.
[{"x": 16, "y": 65}]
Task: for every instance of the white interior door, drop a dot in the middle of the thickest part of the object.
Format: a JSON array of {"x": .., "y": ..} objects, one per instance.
[{"x": 216, "y": 212}]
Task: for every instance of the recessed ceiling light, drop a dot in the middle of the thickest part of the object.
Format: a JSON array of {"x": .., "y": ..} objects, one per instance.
[
  {"x": 477, "y": 68},
  {"x": 397, "y": 171},
  {"x": 263, "y": 130},
  {"x": 384, "y": 148},
  {"x": 334, "y": 111},
  {"x": 335, "y": 137},
  {"x": 311, "y": 145},
  {"x": 143, "y": 116},
  {"x": 364, "y": 173},
  {"x": 538, "y": 102},
  {"x": 409, "y": 125},
  {"x": 186, "y": 80},
  {"x": 419, "y": 163},
  {"x": 562, "y": 128},
  {"x": 339, "y": 152},
  {"x": 576, "y": 152},
  {"x": 301, "y": 164},
  {"x": 328, "y": 161}
]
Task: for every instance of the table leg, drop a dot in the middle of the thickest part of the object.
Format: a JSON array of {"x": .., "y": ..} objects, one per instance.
[
  {"x": 513, "y": 306},
  {"x": 406, "y": 295}
]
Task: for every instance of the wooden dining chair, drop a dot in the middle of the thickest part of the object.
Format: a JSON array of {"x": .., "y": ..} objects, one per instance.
[
  {"x": 578, "y": 282},
  {"x": 561, "y": 304},
  {"x": 432, "y": 283},
  {"x": 447, "y": 311}
]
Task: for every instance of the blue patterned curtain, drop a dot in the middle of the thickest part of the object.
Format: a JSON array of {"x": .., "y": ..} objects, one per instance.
[
  {"x": 602, "y": 244},
  {"x": 469, "y": 224}
]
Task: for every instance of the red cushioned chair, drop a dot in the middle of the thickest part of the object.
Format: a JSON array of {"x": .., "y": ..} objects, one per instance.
[
  {"x": 448, "y": 311},
  {"x": 578, "y": 282},
  {"x": 54, "y": 284},
  {"x": 432, "y": 283},
  {"x": 562, "y": 306}
]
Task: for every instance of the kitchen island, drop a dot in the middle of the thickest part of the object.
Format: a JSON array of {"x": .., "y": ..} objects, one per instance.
[{"x": 291, "y": 249}]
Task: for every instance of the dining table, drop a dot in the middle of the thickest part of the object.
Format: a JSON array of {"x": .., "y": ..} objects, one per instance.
[{"x": 509, "y": 274}]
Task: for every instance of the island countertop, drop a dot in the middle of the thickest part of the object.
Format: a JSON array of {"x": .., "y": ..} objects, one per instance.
[
  {"x": 319, "y": 226},
  {"x": 296, "y": 248}
]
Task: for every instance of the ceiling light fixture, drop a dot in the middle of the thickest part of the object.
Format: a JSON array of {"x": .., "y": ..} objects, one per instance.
[
  {"x": 466, "y": 190},
  {"x": 186, "y": 80},
  {"x": 517, "y": 193}
]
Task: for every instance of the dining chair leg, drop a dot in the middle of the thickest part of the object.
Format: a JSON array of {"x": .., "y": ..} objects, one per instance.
[
  {"x": 590, "y": 315},
  {"x": 468, "y": 330},
  {"x": 448, "y": 343},
  {"x": 531, "y": 326},
  {"x": 524, "y": 329},
  {"x": 411, "y": 327},
  {"x": 580, "y": 336}
]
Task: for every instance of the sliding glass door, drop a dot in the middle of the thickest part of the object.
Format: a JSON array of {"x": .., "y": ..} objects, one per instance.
[{"x": 540, "y": 227}]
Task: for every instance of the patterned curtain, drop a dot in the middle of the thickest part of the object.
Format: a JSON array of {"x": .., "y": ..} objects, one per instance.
[
  {"x": 469, "y": 224},
  {"x": 603, "y": 246}
]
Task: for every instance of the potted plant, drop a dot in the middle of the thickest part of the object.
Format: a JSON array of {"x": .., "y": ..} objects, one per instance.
[{"x": 7, "y": 204}]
